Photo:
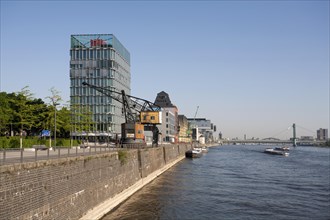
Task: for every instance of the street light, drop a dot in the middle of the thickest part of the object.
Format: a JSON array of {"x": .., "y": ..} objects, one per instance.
[{"x": 55, "y": 104}]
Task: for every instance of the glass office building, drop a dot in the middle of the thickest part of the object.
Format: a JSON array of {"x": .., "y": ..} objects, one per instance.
[{"x": 100, "y": 60}]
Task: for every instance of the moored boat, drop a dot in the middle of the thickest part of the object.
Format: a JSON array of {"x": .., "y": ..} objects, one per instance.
[
  {"x": 196, "y": 152},
  {"x": 285, "y": 148},
  {"x": 205, "y": 150},
  {"x": 277, "y": 152}
]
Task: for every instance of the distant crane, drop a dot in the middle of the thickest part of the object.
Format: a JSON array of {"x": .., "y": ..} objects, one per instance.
[
  {"x": 195, "y": 127},
  {"x": 196, "y": 112}
]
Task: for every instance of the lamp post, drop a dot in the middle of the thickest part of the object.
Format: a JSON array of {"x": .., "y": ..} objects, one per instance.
[
  {"x": 11, "y": 129},
  {"x": 55, "y": 104},
  {"x": 55, "y": 99}
]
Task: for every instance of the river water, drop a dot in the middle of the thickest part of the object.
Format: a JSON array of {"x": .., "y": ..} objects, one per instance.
[{"x": 237, "y": 182}]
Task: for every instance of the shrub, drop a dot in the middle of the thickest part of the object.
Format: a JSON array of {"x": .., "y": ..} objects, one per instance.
[
  {"x": 122, "y": 155},
  {"x": 4, "y": 142},
  {"x": 14, "y": 142}
]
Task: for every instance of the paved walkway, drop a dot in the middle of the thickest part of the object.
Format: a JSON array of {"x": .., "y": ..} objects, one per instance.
[{"x": 10, "y": 156}]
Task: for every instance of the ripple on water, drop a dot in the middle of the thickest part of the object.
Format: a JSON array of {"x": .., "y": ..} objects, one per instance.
[{"x": 237, "y": 182}]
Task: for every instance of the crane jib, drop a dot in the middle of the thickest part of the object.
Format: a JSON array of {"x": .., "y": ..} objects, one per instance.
[{"x": 138, "y": 113}]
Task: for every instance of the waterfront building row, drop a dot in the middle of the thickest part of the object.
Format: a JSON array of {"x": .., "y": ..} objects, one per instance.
[
  {"x": 101, "y": 60},
  {"x": 179, "y": 128}
]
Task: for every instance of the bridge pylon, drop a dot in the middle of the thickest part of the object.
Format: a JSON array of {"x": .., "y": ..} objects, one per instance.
[{"x": 294, "y": 139}]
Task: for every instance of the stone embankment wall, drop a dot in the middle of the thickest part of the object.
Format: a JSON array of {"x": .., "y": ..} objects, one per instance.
[{"x": 74, "y": 188}]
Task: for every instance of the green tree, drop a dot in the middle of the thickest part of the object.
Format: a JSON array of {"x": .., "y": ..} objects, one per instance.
[
  {"x": 23, "y": 111},
  {"x": 40, "y": 112},
  {"x": 64, "y": 122},
  {"x": 5, "y": 114},
  {"x": 55, "y": 100},
  {"x": 20, "y": 111}
]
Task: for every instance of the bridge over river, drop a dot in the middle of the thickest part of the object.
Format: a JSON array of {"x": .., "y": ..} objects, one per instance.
[
  {"x": 276, "y": 142},
  {"x": 271, "y": 140}
]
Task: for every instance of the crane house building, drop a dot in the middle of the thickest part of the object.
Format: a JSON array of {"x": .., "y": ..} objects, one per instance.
[{"x": 100, "y": 60}]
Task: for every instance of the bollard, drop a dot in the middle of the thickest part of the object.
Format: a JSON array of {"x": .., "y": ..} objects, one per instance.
[
  {"x": 76, "y": 151},
  {"x": 4, "y": 156},
  {"x": 47, "y": 153},
  {"x": 21, "y": 155},
  {"x": 35, "y": 155},
  {"x": 59, "y": 152}
]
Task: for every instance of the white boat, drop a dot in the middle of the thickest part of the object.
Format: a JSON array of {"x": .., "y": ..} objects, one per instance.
[
  {"x": 205, "y": 150},
  {"x": 277, "y": 152},
  {"x": 282, "y": 148},
  {"x": 195, "y": 152}
]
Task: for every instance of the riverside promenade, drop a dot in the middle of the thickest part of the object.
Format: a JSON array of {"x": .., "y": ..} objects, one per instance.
[{"x": 17, "y": 155}]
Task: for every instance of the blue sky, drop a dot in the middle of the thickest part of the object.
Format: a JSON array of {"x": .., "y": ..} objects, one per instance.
[{"x": 252, "y": 67}]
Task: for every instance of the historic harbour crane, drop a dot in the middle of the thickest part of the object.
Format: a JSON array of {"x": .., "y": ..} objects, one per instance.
[{"x": 138, "y": 113}]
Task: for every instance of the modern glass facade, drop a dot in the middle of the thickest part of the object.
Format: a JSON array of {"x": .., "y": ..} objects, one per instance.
[
  {"x": 205, "y": 128},
  {"x": 100, "y": 60}
]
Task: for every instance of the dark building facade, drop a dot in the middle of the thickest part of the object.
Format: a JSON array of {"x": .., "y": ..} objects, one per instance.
[{"x": 322, "y": 134}]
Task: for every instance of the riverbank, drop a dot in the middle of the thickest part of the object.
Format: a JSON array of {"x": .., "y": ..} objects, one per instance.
[
  {"x": 104, "y": 208},
  {"x": 81, "y": 187}
]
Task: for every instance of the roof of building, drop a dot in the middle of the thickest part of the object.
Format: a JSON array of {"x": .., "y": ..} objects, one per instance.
[
  {"x": 197, "y": 119},
  {"x": 99, "y": 40},
  {"x": 163, "y": 100}
]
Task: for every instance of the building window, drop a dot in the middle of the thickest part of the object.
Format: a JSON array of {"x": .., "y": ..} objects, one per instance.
[{"x": 105, "y": 54}]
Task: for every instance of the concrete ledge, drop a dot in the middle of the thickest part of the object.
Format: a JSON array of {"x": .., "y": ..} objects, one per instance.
[{"x": 99, "y": 211}]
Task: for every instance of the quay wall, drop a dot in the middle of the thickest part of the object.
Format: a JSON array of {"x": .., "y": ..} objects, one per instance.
[{"x": 85, "y": 187}]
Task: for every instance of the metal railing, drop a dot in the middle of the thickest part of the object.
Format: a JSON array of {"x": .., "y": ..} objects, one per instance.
[
  {"x": 23, "y": 155},
  {"x": 17, "y": 155}
]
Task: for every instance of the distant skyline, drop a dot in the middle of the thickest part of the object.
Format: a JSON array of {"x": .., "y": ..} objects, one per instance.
[{"x": 253, "y": 67}]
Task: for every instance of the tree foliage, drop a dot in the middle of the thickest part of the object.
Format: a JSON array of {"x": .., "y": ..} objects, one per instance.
[
  {"x": 5, "y": 112},
  {"x": 22, "y": 114}
]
